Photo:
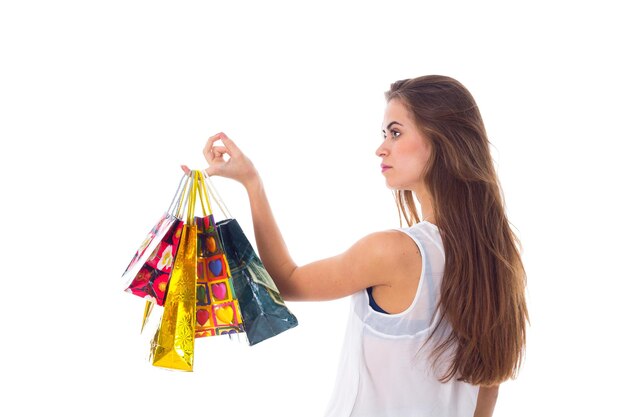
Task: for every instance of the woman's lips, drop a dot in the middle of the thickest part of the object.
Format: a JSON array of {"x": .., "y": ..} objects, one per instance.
[{"x": 384, "y": 167}]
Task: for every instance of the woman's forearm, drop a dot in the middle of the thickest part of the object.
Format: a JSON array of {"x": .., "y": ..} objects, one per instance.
[{"x": 270, "y": 243}]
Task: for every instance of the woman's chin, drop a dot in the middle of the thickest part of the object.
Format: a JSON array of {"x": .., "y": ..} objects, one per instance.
[{"x": 392, "y": 187}]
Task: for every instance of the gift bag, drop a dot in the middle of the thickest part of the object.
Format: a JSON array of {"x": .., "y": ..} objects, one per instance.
[
  {"x": 217, "y": 308},
  {"x": 173, "y": 343},
  {"x": 217, "y": 284},
  {"x": 264, "y": 311},
  {"x": 150, "y": 281}
]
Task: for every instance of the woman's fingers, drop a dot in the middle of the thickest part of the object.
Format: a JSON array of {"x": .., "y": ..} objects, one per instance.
[
  {"x": 231, "y": 148},
  {"x": 235, "y": 166},
  {"x": 214, "y": 155},
  {"x": 208, "y": 148},
  {"x": 220, "y": 150},
  {"x": 230, "y": 145}
]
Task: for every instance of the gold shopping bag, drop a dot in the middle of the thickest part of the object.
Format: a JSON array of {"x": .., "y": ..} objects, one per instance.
[{"x": 173, "y": 344}]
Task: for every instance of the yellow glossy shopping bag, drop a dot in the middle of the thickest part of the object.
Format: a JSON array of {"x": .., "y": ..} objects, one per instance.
[{"x": 173, "y": 344}]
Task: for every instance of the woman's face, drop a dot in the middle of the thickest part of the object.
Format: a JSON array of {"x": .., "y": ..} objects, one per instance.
[{"x": 404, "y": 151}]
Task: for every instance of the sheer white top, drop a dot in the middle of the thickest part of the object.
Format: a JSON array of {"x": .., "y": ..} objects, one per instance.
[{"x": 382, "y": 371}]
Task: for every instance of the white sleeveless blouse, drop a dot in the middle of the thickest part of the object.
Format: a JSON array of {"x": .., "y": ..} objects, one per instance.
[{"x": 382, "y": 371}]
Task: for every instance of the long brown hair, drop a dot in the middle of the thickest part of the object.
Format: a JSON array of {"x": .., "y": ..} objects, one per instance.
[{"x": 483, "y": 286}]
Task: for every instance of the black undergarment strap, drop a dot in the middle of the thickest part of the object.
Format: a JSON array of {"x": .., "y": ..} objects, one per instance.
[{"x": 373, "y": 304}]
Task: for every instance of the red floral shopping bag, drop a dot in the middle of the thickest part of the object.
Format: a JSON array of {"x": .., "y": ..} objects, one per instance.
[{"x": 151, "y": 266}]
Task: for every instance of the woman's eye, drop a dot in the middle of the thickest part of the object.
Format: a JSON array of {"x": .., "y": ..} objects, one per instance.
[{"x": 394, "y": 134}]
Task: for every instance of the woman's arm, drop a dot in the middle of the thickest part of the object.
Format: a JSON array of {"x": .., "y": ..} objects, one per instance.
[
  {"x": 373, "y": 260},
  {"x": 486, "y": 403},
  {"x": 383, "y": 258}
]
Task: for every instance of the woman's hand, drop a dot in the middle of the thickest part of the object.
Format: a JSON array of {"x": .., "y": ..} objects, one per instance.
[{"x": 237, "y": 167}]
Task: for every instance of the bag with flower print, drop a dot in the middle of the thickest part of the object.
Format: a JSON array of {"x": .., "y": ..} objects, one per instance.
[{"x": 151, "y": 266}]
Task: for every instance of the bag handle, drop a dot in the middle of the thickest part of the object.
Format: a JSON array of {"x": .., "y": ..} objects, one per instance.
[
  {"x": 213, "y": 191},
  {"x": 179, "y": 197},
  {"x": 184, "y": 198},
  {"x": 193, "y": 193},
  {"x": 177, "y": 194},
  {"x": 204, "y": 198}
]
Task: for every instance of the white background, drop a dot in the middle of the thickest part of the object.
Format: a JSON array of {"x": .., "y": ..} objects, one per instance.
[{"x": 100, "y": 102}]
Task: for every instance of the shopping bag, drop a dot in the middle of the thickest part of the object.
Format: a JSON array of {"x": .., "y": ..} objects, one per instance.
[
  {"x": 149, "y": 275},
  {"x": 156, "y": 233},
  {"x": 217, "y": 308},
  {"x": 264, "y": 311},
  {"x": 173, "y": 343}
]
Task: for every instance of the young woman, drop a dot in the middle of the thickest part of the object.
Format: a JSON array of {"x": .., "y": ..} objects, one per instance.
[{"x": 438, "y": 310}]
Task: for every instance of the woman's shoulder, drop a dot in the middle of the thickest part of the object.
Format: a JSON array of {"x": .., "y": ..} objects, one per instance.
[
  {"x": 392, "y": 238},
  {"x": 387, "y": 241},
  {"x": 393, "y": 248}
]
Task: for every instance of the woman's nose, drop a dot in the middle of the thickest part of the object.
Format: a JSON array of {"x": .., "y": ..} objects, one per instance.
[{"x": 382, "y": 150}]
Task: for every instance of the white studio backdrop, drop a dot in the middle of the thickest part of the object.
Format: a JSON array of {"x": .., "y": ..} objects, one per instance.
[{"x": 100, "y": 102}]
